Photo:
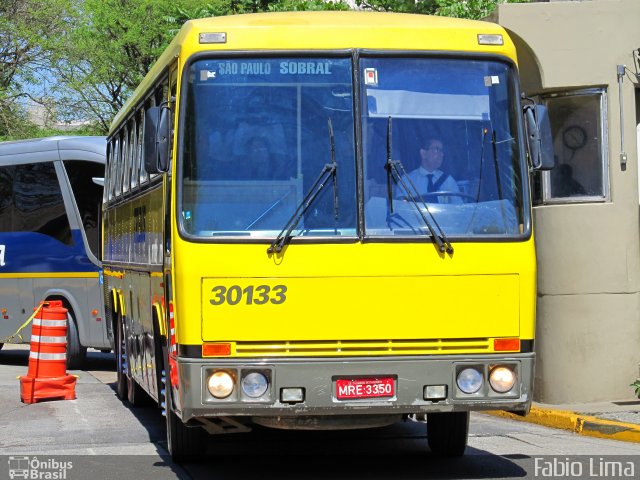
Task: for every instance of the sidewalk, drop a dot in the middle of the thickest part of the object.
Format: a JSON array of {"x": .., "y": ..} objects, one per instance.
[{"x": 612, "y": 420}]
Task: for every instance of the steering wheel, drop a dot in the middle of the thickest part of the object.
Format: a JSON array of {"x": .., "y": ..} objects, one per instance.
[{"x": 464, "y": 196}]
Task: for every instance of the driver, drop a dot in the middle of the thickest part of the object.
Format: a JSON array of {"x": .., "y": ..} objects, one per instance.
[{"x": 428, "y": 178}]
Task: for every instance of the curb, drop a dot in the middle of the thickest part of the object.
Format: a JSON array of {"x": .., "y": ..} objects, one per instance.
[{"x": 577, "y": 423}]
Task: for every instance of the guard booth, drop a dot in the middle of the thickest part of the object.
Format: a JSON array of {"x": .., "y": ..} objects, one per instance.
[{"x": 582, "y": 60}]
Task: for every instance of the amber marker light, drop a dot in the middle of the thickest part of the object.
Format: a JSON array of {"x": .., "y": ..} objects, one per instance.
[
  {"x": 216, "y": 349},
  {"x": 506, "y": 344}
]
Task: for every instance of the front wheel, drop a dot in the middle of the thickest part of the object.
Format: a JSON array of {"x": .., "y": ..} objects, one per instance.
[
  {"x": 183, "y": 443},
  {"x": 447, "y": 433}
]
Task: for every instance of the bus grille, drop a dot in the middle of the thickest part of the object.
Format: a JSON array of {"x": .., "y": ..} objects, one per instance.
[{"x": 363, "y": 347}]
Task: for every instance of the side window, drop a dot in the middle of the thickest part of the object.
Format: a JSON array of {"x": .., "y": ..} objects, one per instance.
[
  {"x": 581, "y": 168},
  {"x": 110, "y": 181},
  {"x": 7, "y": 175},
  {"x": 105, "y": 190},
  {"x": 87, "y": 195},
  {"x": 143, "y": 173},
  {"x": 119, "y": 165},
  {"x": 133, "y": 152},
  {"x": 160, "y": 96},
  {"x": 113, "y": 169},
  {"x": 126, "y": 160},
  {"x": 32, "y": 201}
]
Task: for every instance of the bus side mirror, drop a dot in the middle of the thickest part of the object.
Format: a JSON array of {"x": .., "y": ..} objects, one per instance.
[
  {"x": 156, "y": 139},
  {"x": 539, "y": 139}
]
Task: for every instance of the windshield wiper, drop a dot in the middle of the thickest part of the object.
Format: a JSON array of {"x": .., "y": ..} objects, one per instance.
[
  {"x": 329, "y": 171},
  {"x": 397, "y": 173}
]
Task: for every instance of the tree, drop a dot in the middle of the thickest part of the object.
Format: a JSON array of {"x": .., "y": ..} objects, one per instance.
[
  {"x": 108, "y": 47},
  {"x": 427, "y": 7},
  {"x": 83, "y": 58},
  {"x": 24, "y": 26},
  {"x": 474, "y": 9}
]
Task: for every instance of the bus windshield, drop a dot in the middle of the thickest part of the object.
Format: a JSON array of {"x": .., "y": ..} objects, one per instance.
[
  {"x": 450, "y": 128},
  {"x": 257, "y": 135}
]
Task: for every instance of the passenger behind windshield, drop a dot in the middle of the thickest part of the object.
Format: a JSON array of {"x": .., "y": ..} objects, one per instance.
[
  {"x": 258, "y": 162},
  {"x": 253, "y": 160},
  {"x": 429, "y": 178}
]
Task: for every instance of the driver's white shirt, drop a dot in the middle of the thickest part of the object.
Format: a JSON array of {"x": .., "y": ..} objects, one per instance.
[{"x": 419, "y": 179}]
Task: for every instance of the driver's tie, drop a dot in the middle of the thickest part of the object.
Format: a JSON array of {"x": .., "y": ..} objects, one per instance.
[{"x": 430, "y": 187}]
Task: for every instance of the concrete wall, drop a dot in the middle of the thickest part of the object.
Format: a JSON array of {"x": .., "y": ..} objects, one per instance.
[{"x": 588, "y": 320}]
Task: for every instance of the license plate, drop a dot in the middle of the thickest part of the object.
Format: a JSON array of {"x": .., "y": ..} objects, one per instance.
[{"x": 350, "y": 388}]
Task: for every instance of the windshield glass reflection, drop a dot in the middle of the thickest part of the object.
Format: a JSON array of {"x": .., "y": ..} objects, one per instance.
[
  {"x": 454, "y": 131},
  {"x": 256, "y": 136}
]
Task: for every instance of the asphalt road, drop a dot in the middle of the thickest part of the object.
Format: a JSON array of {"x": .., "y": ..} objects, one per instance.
[{"x": 103, "y": 438}]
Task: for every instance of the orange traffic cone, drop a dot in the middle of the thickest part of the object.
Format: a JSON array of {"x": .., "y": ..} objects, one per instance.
[{"x": 47, "y": 378}]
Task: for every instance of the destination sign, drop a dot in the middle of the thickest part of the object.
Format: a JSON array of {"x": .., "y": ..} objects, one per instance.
[
  {"x": 278, "y": 70},
  {"x": 284, "y": 68}
]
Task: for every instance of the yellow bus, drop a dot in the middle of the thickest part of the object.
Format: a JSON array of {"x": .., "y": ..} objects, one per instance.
[{"x": 270, "y": 257}]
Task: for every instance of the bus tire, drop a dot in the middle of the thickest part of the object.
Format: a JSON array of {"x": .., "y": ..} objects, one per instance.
[
  {"x": 136, "y": 395},
  {"x": 184, "y": 443},
  {"x": 76, "y": 353},
  {"x": 121, "y": 381},
  {"x": 447, "y": 433}
]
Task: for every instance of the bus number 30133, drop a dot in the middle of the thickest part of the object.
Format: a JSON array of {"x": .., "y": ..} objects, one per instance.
[{"x": 250, "y": 295}]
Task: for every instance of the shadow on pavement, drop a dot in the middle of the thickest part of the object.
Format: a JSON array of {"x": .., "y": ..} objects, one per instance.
[{"x": 397, "y": 451}]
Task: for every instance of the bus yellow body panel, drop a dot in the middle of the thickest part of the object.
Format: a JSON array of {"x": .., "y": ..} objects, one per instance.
[{"x": 366, "y": 301}]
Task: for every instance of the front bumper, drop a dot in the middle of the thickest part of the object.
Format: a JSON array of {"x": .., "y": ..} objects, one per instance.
[{"x": 317, "y": 379}]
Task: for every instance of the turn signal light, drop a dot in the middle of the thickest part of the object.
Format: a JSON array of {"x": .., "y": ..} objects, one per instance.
[
  {"x": 216, "y": 349},
  {"x": 506, "y": 344}
]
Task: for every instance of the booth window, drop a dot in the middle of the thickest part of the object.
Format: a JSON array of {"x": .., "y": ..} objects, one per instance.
[{"x": 578, "y": 120}]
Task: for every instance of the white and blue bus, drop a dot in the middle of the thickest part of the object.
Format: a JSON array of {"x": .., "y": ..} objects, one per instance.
[{"x": 50, "y": 198}]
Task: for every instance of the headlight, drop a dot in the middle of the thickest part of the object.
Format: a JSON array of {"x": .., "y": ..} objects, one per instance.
[
  {"x": 254, "y": 385},
  {"x": 469, "y": 380},
  {"x": 502, "y": 379},
  {"x": 220, "y": 384}
]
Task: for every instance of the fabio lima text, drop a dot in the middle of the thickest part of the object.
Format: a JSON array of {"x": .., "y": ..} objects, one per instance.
[{"x": 597, "y": 467}]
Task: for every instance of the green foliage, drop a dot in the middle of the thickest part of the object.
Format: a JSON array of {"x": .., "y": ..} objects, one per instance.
[
  {"x": 426, "y": 7},
  {"x": 81, "y": 59},
  {"x": 473, "y": 9},
  {"x": 25, "y": 27},
  {"x": 307, "y": 5},
  {"x": 31, "y": 130},
  {"x": 216, "y": 8},
  {"x": 636, "y": 386},
  {"x": 108, "y": 47}
]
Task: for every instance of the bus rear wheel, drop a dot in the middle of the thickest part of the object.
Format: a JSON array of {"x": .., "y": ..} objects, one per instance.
[
  {"x": 447, "y": 433},
  {"x": 121, "y": 362},
  {"x": 76, "y": 353}
]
